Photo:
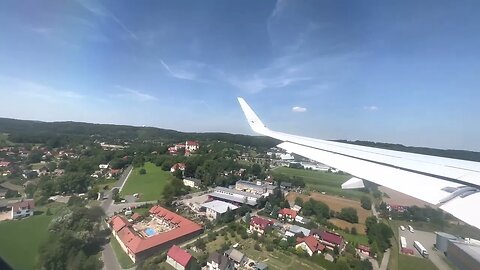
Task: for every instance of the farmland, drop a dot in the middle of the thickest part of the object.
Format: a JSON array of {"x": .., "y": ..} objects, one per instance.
[
  {"x": 320, "y": 181},
  {"x": 149, "y": 186},
  {"x": 335, "y": 203}
]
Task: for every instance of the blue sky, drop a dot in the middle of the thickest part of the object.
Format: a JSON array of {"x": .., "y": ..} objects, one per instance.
[{"x": 391, "y": 71}]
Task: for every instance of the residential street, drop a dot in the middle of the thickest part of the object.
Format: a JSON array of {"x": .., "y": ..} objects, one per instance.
[{"x": 110, "y": 261}]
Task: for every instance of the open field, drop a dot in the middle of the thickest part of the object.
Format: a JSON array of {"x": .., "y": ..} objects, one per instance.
[
  {"x": 345, "y": 224},
  {"x": 21, "y": 240},
  {"x": 122, "y": 257},
  {"x": 395, "y": 197},
  {"x": 37, "y": 166},
  {"x": 406, "y": 262},
  {"x": 150, "y": 185},
  {"x": 322, "y": 181},
  {"x": 335, "y": 203}
]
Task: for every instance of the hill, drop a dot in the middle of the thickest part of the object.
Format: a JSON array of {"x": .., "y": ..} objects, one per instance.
[
  {"x": 27, "y": 131},
  {"x": 61, "y": 133}
]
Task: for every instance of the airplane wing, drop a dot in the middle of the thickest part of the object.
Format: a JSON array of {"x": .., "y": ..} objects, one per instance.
[{"x": 451, "y": 184}]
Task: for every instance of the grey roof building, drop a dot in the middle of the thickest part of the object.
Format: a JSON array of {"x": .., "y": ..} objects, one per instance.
[
  {"x": 463, "y": 255},
  {"x": 219, "y": 261}
]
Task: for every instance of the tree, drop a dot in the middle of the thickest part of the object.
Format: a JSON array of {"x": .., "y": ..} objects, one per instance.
[
  {"x": 30, "y": 190},
  {"x": 256, "y": 169},
  {"x": 354, "y": 231},
  {"x": 11, "y": 194},
  {"x": 366, "y": 202},
  {"x": 199, "y": 243},
  {"x": 248, "y": 218},
  {"x": 348, "y": 214},
  {"x": 142, "y": 171}
]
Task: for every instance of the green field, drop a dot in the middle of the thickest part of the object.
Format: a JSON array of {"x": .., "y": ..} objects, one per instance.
[
  {"x": 122, "y": 257},
  {"x": 21, "y": 239},
  {"x": 406, "y": 262},
  {"x": 150, "y": 185},
  {"x": 321, "y": 181}
]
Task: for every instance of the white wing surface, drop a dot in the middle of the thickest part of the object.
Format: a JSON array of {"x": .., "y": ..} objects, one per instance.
[{"x": 451, "y": 184}]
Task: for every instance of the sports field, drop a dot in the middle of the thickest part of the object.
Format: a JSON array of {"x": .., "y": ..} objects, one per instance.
[
  {"x": 149, "y": 186},
  {"x": 21, "y": 239}
]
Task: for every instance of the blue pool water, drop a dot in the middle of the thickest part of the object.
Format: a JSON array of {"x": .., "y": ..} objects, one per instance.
[{"x": 150, "y": 231}]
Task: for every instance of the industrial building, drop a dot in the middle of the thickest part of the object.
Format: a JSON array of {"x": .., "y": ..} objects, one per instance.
[
  {"x": 463, "y": 253},
  {"x": 257, "y": 187},
  {"x": 442, "y": 240},
  {"x": 214, "y": 209},
  {"x": 234, "y": 196}
]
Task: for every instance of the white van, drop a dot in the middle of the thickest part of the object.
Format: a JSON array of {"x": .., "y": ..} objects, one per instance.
[
  {"x": 402, "y": 227},
  {"x": 410, "y": 229}
]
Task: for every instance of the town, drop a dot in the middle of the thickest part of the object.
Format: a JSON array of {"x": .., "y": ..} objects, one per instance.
[{"x": 205, "y": 204}]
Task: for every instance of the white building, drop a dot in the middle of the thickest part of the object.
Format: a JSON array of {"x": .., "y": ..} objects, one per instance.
[
  {"x": 192, "y": 182},
  {"x": 215, "y": 209},
  {"x": 22, "y": 209},
  {"x": 103, "y": 166}
]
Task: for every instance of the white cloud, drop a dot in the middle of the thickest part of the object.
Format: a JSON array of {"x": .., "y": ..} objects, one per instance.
[
  {"x": 135, "y": 94},
  {"x": 37, "y": 90},
  {"x": 178, "y": 73},
  {"x": 101, "y": 11},
  {"x": 371, "y": 108},
  {"x": 297, "y": 109}
]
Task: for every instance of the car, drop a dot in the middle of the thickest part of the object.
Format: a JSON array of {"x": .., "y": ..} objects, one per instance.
[{"x": 402, "y": 227}]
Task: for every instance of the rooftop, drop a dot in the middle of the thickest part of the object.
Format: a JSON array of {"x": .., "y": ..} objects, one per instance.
[
  {"x": 219, "y": 206},
  {"x": 137, "y": 243},
  {"x": 472, "y": 250},
  {"x": 179, "y": 255}
]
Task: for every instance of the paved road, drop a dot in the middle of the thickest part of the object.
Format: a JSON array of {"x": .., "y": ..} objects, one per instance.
[{"x": 109, "y": 258}]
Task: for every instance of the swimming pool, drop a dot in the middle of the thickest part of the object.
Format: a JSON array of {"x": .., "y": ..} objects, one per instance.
[{"x": 150, "y": 231}]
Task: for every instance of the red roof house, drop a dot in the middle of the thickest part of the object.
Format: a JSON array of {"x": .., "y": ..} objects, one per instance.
[
  {"x": 179, "y": 258},
  {"x": 310, "y": 244},
  {"x": 177, "y": 166},
  {"x": 259, "y": 224},
  {"x": 4, "y": 163},
  {"x": 287, "y": 213},
  {"x": 332, "y": 240},
  {"x": 364, "y": 249}
]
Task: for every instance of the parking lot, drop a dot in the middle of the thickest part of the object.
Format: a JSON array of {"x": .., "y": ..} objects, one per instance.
[{"x": 427, "y": 239}]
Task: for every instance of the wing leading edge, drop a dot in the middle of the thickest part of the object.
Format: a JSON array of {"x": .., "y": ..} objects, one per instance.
[{"x": 451, "y": 184}]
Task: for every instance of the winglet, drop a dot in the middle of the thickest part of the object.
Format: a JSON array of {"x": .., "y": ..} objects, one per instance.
[{"x": 253, "y": 120}]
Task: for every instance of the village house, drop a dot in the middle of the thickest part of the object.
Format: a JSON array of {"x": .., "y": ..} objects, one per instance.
[
  {"x": 365, "y": 250},
  {"x": 179, "y": 258},
  {"x": 310, "y": 244},
  {"x": 217, "y": 261},
  {"x": 287, "y": 214},
  {"x": 259, "y": 225},
  {"x": 177, "y": 166},
  {"x": 332, "y": 240},
  {"x": 238, "y": 258},
  {"x": 24, "y": 208}
]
